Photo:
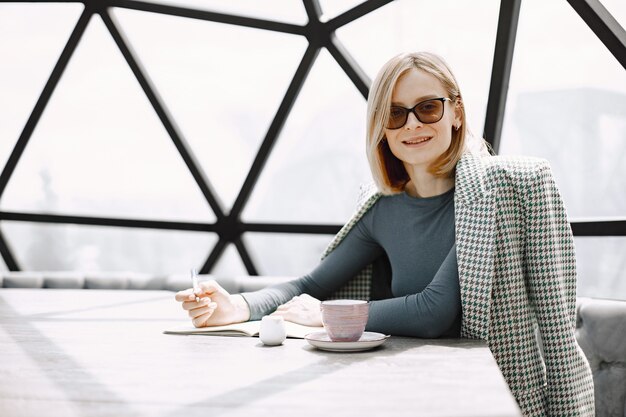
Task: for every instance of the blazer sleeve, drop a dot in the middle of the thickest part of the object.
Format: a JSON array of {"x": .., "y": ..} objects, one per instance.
[{"x": 551, "y": 283}]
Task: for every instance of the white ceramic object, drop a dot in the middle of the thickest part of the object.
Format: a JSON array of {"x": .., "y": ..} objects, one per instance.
[
  {"x": 344, "y": 320},
  {"x": 272, "y": 332},
  {"x": 368, "y": 340}
]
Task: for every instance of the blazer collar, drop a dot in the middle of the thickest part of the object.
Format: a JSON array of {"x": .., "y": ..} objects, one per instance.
[{"x": 470, "y": 179}]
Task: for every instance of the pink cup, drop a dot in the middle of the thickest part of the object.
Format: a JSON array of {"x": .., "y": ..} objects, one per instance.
[{"x": 344, "y": 320}]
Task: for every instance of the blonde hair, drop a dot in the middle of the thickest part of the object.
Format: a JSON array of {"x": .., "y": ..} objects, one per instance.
[{"x": 387, "y": 170}]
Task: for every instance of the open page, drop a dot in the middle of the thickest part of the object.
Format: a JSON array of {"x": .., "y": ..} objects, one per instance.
[{"x": 248, "y": 328}]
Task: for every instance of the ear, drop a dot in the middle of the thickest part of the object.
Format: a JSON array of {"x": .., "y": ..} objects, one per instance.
[{"x": 458, "y": 111}]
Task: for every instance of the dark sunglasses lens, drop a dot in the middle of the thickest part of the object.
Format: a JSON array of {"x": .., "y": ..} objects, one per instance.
[
  {"x": 397, "y": 117},
  {"x": 430, "y": 111}
]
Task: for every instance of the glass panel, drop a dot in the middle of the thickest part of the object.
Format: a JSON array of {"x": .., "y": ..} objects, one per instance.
[
  {"x": 33, "y": 36},
  {"x": 444, "y": 27},
  {"x": 333, "y": 8},
  {"x": 230, "y": 263},
  {"x": 53, "y": 247},
  {"x": 223, "y": 94},
  {"x": 3, "y": 265},
  {"x": 99, "y": 148},
  {"x": 617, "y": 8},
  {"x": 286, "y": 254},
  {"x": 567, "y": 103},
  {"x": 315, "y": 169},
  {"x": 289, "y": 11},
  {"x": 601, "y": 264}
]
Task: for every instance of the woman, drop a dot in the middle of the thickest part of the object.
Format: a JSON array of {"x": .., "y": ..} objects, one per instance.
[{"x": 449, "y": 242}]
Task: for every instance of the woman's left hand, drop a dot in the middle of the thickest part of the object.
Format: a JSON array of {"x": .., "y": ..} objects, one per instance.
[{"x": 301, "y": 309}]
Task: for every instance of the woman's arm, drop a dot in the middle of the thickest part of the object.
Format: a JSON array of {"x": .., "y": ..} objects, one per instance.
[
  {"x": 429, "y": 313},
  {"x": 212, "y": 305},
  {"x": 217, "y": 307},
  {"x": 551, "y": 281},
  {"x": 356, "y": 251}
]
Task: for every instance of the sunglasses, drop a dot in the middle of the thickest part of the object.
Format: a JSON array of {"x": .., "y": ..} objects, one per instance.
[{"x": 427, "y": 111}]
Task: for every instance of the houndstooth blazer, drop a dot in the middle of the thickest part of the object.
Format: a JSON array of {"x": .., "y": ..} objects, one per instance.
[{"x": 517, "y": 273}]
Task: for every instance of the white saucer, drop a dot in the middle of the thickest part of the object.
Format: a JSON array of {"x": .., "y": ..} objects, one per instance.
[{"x": 367, "y": 341}]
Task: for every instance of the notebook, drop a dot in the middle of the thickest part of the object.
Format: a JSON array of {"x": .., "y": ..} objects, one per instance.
[{"x": 248, "y": 328}]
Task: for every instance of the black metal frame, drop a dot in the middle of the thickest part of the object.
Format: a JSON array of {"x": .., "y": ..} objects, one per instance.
[
  {"x": 319, "y": 34},
  {"x": 501, "y": 70}
]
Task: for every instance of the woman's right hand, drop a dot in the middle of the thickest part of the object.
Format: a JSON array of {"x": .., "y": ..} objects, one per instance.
[{"x": 216, "y": 306}]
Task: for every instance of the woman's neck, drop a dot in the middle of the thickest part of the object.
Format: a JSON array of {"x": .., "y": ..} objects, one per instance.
[{"x": 425, "y": 184}]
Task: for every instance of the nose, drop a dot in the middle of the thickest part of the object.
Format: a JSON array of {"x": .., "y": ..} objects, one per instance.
[{"x": 412, "y": 122}]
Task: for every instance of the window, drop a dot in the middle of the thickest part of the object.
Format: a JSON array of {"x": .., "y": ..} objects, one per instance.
[{"x": 243, "y": 129}]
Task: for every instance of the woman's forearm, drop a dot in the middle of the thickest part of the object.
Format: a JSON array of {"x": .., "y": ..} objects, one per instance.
[{"x": 428, "y": 314}]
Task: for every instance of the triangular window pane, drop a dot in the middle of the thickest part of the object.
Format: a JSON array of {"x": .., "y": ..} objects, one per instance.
[
  {"x": 3, "y": 265},
  {"x": 444, "y": 27},
  {"x": 600, "y": 266},
  {"x": 223, "y": 85},
  {"x": 319, "y": 161},
  {"x": 99, "y": 148},
  {"x": 33, "y": 36},
  {"x": 567, "y": 103},
  {"x": 333, "y": 8},
  {"x": 229, "y": 264},
  {"x": 288, "y": 11},
  {"x": 53, "y": 247},
  {"x": 286, "y": 254}
]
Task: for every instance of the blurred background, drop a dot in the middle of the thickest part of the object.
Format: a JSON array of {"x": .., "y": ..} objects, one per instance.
[{"x": 229, "y": 136}]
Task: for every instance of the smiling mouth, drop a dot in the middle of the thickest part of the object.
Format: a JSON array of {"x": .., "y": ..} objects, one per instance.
[{"x": 417, "y": 141}]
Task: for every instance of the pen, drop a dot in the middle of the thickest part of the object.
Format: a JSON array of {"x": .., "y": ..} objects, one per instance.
[{"x": 194, "y": 281}]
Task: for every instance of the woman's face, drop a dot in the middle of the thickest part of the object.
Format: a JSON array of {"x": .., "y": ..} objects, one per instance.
[{"x": 417, "y": 143}]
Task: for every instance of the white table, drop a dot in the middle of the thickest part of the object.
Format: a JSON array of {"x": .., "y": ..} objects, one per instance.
[{"x": 102, "y": 353}]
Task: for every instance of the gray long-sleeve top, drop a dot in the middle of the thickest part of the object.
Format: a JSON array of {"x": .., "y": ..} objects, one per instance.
[{"x": 417, "y": 235}]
